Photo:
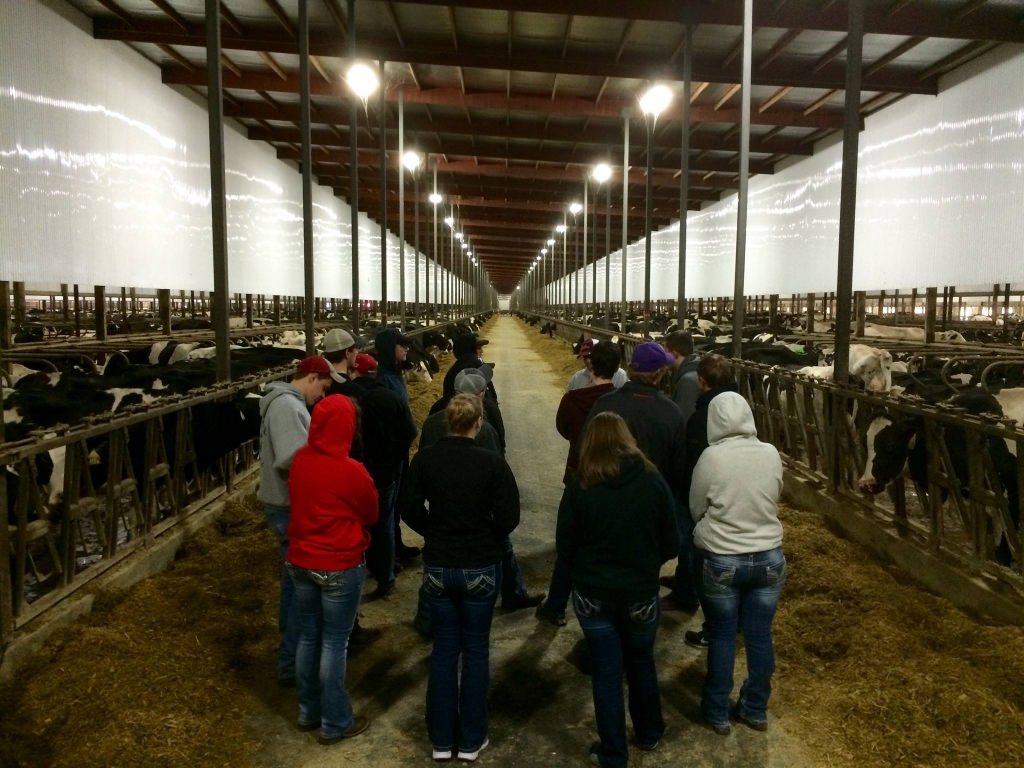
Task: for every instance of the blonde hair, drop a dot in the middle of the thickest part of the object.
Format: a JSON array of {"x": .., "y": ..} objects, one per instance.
[
  {"x": 462, "y": 413},
  {"x": 606, "y": 442}
]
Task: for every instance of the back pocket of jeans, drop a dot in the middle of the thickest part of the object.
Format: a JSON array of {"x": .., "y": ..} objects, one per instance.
[
  {"x": 644, "y": 612},
  {"x": 480, "y": 584},
  {"x": 585, "y": 606},
  {"x": 775, "y": 575},
  {"x": 433, "y": 581},
  {"x": 713, "y": 576}
]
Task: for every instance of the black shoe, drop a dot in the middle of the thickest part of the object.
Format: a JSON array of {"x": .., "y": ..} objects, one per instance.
[
  {"x": 382, "y": 591},
  {"x": 404, "y": 552},
  {"x": 551, "y": 617},
  {"x": 671, "y": 603},
  {"x": 650, "y": 746},
  {"x": 526, "y": 600},
  {"x": 721, "y": 730},
  {"x": 739, "y": 717},
  {"x": 359, "y": 725},
  {"x": 422, "y": 627},
  {"x": 697, "y": 639},
  {"x": 307, "y": 726}
]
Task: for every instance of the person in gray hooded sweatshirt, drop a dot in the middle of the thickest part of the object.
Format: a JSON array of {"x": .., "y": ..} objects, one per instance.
[
  {"x": 738, "y": 537},
  {"x": 284, "y": 410}
]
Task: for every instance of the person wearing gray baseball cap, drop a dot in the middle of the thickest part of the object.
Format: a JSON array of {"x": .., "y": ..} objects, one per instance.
[{"x": 340, "y": 349}]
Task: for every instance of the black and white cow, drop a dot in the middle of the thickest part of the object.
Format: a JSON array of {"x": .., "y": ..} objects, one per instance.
[{"x": 895, "y": 443}]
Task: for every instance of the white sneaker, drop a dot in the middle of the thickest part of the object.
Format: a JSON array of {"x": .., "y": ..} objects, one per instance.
[
  {"x": 469, "y": 757},
  {"x": 442, "y": 755}
]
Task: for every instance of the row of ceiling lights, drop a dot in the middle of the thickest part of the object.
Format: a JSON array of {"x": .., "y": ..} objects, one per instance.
[{"x": 363, "y": 81}]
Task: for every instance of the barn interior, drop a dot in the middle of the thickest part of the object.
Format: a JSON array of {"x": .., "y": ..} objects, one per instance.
[{"x": 823, "y": 176}]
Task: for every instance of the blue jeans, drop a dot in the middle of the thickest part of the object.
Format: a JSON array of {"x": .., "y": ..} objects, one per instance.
[
  {"x": 287, "y": 612},
  {"x": 512, "y": 586},
  {"x": 461, "y": 607},
  {"x": 740, "y": 592},
  {"x": 328, "y": 601},
  {"x": 621, "y": 639},
  {"x": 380, "y": 557},
  {"x": 685, "y": 589}
]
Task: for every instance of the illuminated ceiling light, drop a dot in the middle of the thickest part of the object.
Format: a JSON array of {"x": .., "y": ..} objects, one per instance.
[
  {"x": 458, "y": 235},
  {"x": 601, "y": 173},
  {"x": 411, "y": 160},
  {"x": 362, "y": 79},
  {"x": 560, "y": 228},
  {"x": 436, "y": 199},
  {"x": 655, "y": 99},
  {"x": 464, "y": 245},
  {"x": 543, "y": 252},
  {"x": 550, "y": 242},
  {"x": 575, "y": 208}
]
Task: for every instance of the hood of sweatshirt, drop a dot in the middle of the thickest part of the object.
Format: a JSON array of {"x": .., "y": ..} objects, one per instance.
[
  {"x": 729, "y": 416},
  {"x": 333, "y": 426},
  {"x": 630, "y": 467},
  {"x": 385, "y": 343},
  {"x": 276, "y": 389}
]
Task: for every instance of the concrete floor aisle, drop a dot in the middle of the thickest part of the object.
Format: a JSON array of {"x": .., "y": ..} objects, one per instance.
[{"x": 541, "y": 713}]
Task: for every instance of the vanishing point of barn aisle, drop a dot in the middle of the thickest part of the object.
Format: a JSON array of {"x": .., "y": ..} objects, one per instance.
[{"x": 193, "y": 194}]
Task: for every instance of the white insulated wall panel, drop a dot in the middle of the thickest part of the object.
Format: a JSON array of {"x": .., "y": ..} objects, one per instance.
[
  {"x": 940, "y": 201},
  {"x": 105, "y": 179}
]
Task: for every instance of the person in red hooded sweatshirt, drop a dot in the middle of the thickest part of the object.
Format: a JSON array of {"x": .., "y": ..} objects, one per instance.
[{"x": 333, "y": 505}]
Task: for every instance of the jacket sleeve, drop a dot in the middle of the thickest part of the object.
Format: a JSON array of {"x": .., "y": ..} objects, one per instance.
[
  {"x": 668, "y": 530},
  {"x": 505, "y": 508},
  {"x": 680, "y": 469},
  {"x": 365, "y": 494},
  {"x": 289, "y": 431},
  {"x": 699, "y": 488},
  {"x": 566, "y": 536},
  {"x": 412, "y": 498},
  {"x": 562, "y": 418}
]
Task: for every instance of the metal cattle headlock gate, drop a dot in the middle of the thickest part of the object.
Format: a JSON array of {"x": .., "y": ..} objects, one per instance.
[
  {"x": 56, "y": 549},
  {"x": 819, "y": 428}
]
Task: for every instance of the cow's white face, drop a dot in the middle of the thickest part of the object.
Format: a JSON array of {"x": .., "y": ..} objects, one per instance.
[{"x": 872, "y": 366}]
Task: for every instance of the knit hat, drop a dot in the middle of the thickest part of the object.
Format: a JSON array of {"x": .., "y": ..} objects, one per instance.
[
  {"x": 313, "y": 364},
  {"x": 365, "y": 364},
  {"x": 649, "y": 357}
]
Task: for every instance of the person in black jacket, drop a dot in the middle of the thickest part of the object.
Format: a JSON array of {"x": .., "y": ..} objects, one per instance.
[
  {"x": 473, "y": 507},
  {"x": 386, "y": 431},
  {"x": 468, "y": 351},
  {"x": 616, "y": 526}
]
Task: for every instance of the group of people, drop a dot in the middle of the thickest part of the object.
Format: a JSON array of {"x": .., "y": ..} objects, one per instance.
[
  {"x": 664, "y": 465},
  {"x": 649, "y": 477},
  {"x": 335, "y": 481}
]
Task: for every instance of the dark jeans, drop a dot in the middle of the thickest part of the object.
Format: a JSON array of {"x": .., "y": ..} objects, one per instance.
[
  {"x": 512, "y": 586},
  {"x": 328, "y": 601},
  {"x": 621, "y": 639},
  {"x": 559, "y": 589},
  {"x": 461, "y": 607},
  {"x": 740, "y": 592},
  {"x": 380, "y": 557},
  {"x": 288, "y": 612},
  {"x": 685, "y": 589}
]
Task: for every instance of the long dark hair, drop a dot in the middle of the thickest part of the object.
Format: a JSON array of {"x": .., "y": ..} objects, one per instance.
[{"x": 606, "y": 442}]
